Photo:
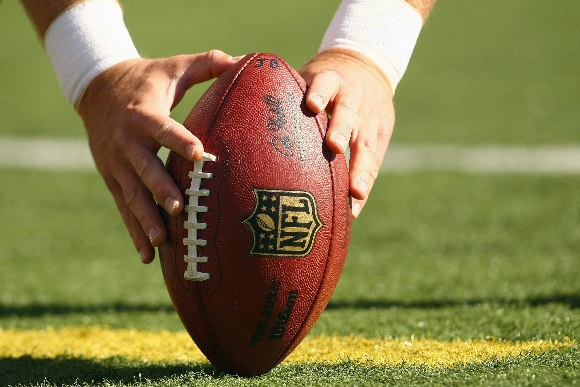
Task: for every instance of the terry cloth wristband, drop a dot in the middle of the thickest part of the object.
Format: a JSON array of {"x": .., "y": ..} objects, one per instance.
[
  {"x": 386, "y": 31},
  {"x": 84, "y": 41}
]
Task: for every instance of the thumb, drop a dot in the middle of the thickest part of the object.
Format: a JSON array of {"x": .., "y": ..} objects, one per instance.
[{"x": 198, "y": 68}]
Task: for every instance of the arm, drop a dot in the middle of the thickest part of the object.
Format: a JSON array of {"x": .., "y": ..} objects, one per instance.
[
  {"x": 126, "y": 111},
  {"x": 42, "y": 13},
  {"x": 356, "y": 86}
]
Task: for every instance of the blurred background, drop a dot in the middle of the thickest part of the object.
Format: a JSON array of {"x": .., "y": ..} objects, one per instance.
[
  {"x": 483, "y": 72},
  {"x": 438, "y": 253}
]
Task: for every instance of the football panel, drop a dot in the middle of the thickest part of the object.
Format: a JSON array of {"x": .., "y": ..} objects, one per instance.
[
  {"x": 295, "y": 179},
  {"x": 280, "y": 104}
]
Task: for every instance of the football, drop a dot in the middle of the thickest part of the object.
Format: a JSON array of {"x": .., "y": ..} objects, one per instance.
[{"x": 252, "y": 261}]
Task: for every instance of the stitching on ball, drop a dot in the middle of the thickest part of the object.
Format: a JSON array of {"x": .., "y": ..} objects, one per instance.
[{"x": 191, "y": 224}]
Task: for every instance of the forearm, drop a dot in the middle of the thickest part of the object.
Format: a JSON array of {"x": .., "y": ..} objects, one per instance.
[
  {"x": 384, "y": 31},
  {"x": 43, "y": 12},
  {"x": 82, "y": 38}
]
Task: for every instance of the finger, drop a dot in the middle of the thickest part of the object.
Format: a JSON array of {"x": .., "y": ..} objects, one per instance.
[
  {"x": 153, "y": 174},
  {"x": 323, "y": 88},
  {"x": 345, "y": 115},
  {"x": 368, "y": 148},
  {"x": 202, "y": 67},
  {"x": 357, "y": 206},
  {"x": 139, "y": 238},
  {"x": 143, "y": 207},
  {"x": 172, "y": 135},
  {"x": 187, "y": 70}
]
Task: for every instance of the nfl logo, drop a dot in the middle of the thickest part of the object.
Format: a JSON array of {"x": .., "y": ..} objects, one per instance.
[{"x": 283, "y": 223}]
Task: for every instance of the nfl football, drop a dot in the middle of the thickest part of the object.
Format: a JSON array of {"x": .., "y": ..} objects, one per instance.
[{"x": 252, "y": 261}]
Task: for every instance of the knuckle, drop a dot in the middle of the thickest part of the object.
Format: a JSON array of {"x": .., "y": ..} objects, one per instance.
[
  {"x": 160, "y": 190},
  {"x": 374, "y": 171},
  {"x": 382, "y": 133},
  {"x": 371, "y": 170},
  {"x": 131, "y": 196},
  {"x": 145, "y": 168},
  {"x": 349, "y": 109},
  {"x": 368, "y": 146},
  {"x": 214, "y": 54},
  {"x": 162, "y": 131},
  {"x": 136, "y": 112},
  {"x": 383, "y": 139},
  {"x": 369, "y": 153},
  {"x": 372, "y": 162},
  {"x": 345, "y": 121},
  {"x": 120, "y": 140},
  {"x": 140, "y": 211}
]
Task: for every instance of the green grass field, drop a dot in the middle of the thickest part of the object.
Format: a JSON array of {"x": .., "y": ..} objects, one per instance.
[
  {"x": 445, "y": 257},
  {"x": 440, "y": 256}
]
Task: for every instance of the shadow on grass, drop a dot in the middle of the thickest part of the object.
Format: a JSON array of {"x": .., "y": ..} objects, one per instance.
[
  {"x": 38, "y": 310},
  {"x": 29, "y": 371},
  {"x": 571, "y": 300}
]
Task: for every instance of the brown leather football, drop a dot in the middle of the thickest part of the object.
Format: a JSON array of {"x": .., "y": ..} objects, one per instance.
[{"x": 253, "y": 260}]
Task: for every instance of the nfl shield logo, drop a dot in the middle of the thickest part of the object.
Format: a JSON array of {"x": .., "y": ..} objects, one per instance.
[{"x": 284, "y": 223}]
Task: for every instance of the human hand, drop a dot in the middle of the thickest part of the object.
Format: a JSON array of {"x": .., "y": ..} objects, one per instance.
[
  {"x": 359, "y": 99},
  {"x": 126, "y": 111}
]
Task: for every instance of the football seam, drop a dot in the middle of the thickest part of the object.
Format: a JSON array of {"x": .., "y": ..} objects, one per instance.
[
  {"x": 325, "y": 274},
  {"x": 211, "y": 293},
  {"x": 227, "y": 92},
  {"x": 192, "y": 224},
  {"x": 225, "y": 95}
]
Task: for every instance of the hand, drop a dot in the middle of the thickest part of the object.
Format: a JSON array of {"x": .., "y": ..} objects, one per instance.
[
  {"x": 126, "y": 112},
  {"x": 359, "y": 99}
]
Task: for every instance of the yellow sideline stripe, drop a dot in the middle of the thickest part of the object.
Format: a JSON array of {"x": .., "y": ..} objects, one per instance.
[{"x": 100, "y": 342}]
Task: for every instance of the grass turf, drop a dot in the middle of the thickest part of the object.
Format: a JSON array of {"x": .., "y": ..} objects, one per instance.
[
  {"x": 546, "y": 369},
  {"x": 438, "y": 255}
]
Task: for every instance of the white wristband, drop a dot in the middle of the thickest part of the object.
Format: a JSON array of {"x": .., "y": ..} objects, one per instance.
[
  {"x": 84, "y": 41},
  {"x": 383, "y": 30}
]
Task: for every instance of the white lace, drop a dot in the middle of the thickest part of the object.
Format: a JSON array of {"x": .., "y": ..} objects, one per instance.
[{"x": 191, "y": 223}]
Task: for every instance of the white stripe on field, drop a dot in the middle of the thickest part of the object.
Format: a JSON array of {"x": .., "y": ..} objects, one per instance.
[
  {"x": 484, "y": 159},
  {"x": 39, "y": 153},
  {"x": 69, "y": 154}
]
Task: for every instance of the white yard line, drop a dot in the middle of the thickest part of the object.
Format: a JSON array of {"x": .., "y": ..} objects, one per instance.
[
  {"x": 484, "y": 159},
  {"x": 68, "y": 154},
  {"x": 43, "y": 153}
]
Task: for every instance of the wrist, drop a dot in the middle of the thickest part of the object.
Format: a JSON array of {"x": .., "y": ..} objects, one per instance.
[
  {"x": 362, "y": 62},
  {"x": 384, "y": 31},
  {"x": 84, "y": 41},
  {"x": 105, "y": 88}
]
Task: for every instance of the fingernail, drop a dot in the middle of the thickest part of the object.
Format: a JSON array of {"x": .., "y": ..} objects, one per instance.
[
  {"x": 341, "y": 141},
  {"x": 318, "y": 101},
  {"x": 143, "y": 255},
  {"x": 356, "y": 209},
  {"x": 171, "y": 205},
  {"x": 153, "y": 232},
  {"x": 362, "y": 185},
  {"x": 236, "y": 58},
  {"x": 190, "y": 151}
]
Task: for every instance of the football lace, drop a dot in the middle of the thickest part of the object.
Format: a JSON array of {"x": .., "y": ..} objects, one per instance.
[{"x": 191, "y": 224}]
